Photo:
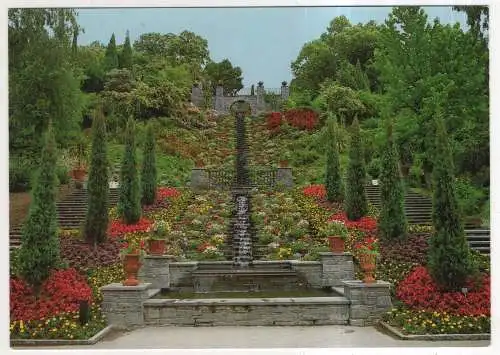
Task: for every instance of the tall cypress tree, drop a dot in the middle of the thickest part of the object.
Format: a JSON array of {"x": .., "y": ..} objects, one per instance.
[
  {"x": 356, "y": 204},
  {"x": 392, "y": 220},
  {"x": 125, "y": 58},
  {"x": 39, "y": 252},
  {"x": 149, "y": 172},
  {"x": 130, "y": 196},
  {"x": 333, "y": 176},
  {"x": 111, "y": 55},
  {"x": 449, "y": 254},
  {"x": 96, "y": 221}
]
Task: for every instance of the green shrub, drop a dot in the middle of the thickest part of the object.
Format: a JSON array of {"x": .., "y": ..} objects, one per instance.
[
  {"x": 20, "y": 173},
  {"x": 470, "y": 197},
  {"x": 39, "y": 252},
  {"x": 62, "y": 175},
  {"x": 373, "y": 168},
  {"x": 149, "y": 171}
]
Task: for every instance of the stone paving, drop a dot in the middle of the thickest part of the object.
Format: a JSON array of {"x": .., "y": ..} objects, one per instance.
[{"x": 262, "y": 337}]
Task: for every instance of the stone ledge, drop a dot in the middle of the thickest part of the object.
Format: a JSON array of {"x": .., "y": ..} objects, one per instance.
[
  {"x": 165, "y": 256},
  {"x": 433, "y": 337},
  {"x": 361, "y": 284},
  {"x": 51, "y": 342},
  {"x": 330, "y": 254},
  {"x": 248, "y": 301},
  {"x": 121, "y": 288}
]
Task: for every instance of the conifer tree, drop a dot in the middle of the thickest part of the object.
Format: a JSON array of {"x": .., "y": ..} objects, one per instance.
[
  {"x": 449, "y": 254},
  {"x": 39, "y": 252},
  {"x": 356, "y": 204},
  {"x": 333, "y": 176},
  {"x": 392, "y": 220},
  {"x": 126, "y": 54},
  {"x": 96, "y": 221},
  {"x": 149, "y": 172},
  {"x": 111, "y": 55},
  {"x": 129, "y": 206}
]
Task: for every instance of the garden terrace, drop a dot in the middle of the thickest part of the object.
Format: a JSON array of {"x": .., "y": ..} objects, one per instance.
[{"x": 71, "y": 213}]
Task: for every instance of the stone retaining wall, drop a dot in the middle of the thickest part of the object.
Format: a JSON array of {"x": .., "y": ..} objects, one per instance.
[{"x": 247, "y": 312}]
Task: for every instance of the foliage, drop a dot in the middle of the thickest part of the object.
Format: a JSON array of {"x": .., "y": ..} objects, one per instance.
[
  {"x": 130, "y": 199},
  {"x": 342, "y": 101},
  {"x": 367, "y": 246},
  {"x": 420, "y": 292},
  {"x": 449, "y": 255},
  {"x": 334, "y": 228},
  {"x": 133, "y": 247},
  {"x": 412, "y": 250},
  {"x": 223, "y": 73},
  {"x": 333, "y": 175},
  {"x": 104, "y": 275},
  {"x": 43, "y": 86},
  {"x": 39, "y": 252},
  {"x": 83, "y": 257},
  {"x": 392, "y": 220},
  {"x": 149, "y": 170},
  {"x": 59, "y": 293},
  {"x": 96, "y": 220},
  {"x": 365, "y": 224},
  {"x": 356, "y": 204}
]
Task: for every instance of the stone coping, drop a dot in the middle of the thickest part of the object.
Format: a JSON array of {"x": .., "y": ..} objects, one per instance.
[
  {"x": 329, "y": 253},
  {"x": 51, "y": 342},
  {"x": 361, "y": 284},
  {"x": 246, "y": 301},
  {"x": 119, "y": 287},
  {"x": 432, "y": 337}
]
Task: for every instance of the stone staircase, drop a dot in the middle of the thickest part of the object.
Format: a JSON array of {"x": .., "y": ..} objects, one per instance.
[
  {"x": 418, "y": 210},
  {"x": 71, "y": 213}
]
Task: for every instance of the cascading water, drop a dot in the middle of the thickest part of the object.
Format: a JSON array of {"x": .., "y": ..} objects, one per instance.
[{"x": 242, "y": 236}]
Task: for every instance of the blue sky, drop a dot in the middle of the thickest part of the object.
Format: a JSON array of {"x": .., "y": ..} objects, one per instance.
[{"x": 262, "y": 41}]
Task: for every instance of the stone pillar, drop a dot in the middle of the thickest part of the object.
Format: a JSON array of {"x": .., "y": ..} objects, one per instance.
[
  {"x": 219, "y": 98},
  {"x": 284, "y": 177},
  {"x": 368, "y": 301},
  {"x": 336, "y": 268},
  {"x": 199, "y": 179},
  {"x": 261, "y": 103},
  {"x": 156, "y": 271},
  {"x": 123, "y": 305},
  {"x": 197, "y": 95},
  {"x": 285, "y": 91}
]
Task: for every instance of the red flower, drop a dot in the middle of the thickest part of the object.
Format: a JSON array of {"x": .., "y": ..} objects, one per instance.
[
  {"x": 316, "y": 191},
  {"x": 365, "y": 224},
  {"x": 167, "y": 192},
  {"x": 60, "y": 293},
  {"x": 419, "y": 291},
  {"x": 118, "y": 228}
]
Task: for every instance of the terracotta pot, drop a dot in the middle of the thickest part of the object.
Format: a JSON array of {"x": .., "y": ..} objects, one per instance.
[
  {"x": 131, "y": 266},
  {"x": 156, "y": 247},
  {"x": 284, "y": 164},
  {"x": 336, "y": 244},
  {"x": 367, "y": 263},
  {"x": 78, "y": 174}
]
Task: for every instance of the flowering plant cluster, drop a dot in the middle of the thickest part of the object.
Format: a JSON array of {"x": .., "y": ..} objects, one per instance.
[
  {"x": 365, "y": 224},
  {"x": 60, "y": 293},
  {"x": 419, "y": 292},
  {"x": 133, "y": 247},
  {"x": 117, "y": 228},
  {"x": 368, "y": 245},
  {"x": 317, "y": 191},
  {"x": 83, "y": 257},
  {"x": 167, "y": 192},
  {"x": 273, "y": 120},
  {"x": 302, "y": 118},
  {"x": 334, "y": 229},
  {"x": 64, "y": 325},
  {"x": 421, "y": 322},
  {"x": 159, "y": 230}
]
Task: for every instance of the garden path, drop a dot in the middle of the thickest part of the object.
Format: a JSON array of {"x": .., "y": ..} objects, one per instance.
[{"x": 263, "y": 337}]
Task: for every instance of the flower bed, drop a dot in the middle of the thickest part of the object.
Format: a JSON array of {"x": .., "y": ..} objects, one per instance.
[
  {"x": 54, "y": 315},
  {"x": 61, "y": 292},
  {"x": 201, "y": 232},
  {"x": 421, "y": 307},
  {"x": 284, "y": 229}
]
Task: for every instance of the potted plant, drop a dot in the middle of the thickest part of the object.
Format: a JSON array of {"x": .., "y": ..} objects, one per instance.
[
  {"x": 366, "y": 252},
  {"x": 80, "y": 154},
  {"x": 285, "y": 156},
  {"x": 336, "y": 233},
  {"x": 131, "y": 254},
  {"x": 158, "y": 236}
]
